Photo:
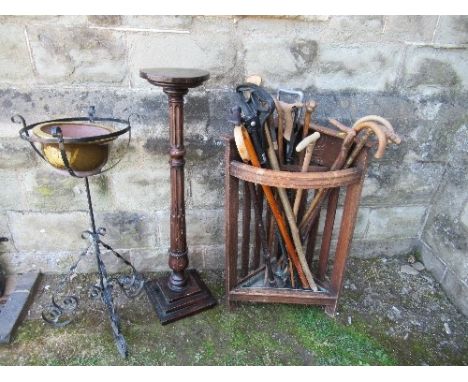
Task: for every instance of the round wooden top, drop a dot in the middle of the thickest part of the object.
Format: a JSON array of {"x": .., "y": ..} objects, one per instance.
[{"x": 175, "y": 77}]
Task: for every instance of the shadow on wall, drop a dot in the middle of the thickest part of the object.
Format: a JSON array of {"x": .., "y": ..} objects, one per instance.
[{"x": 2, "y": 272}]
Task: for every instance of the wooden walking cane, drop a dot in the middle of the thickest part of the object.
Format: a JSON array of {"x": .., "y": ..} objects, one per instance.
[
  {"x": 247, "y": 153},
  {"x": 312, "y": 211},
  {"x": 309, "y": 109},
  {"x": 289, "y": 214},
  {"x": 308, "y": 144},
  {"x": 384, "y": 132}
]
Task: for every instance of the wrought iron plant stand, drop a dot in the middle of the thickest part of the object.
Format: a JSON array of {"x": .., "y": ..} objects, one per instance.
[{"x": 79, "y": 147}]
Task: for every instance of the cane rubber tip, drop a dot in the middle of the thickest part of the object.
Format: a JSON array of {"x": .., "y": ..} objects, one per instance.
[{"x": 307, "y": 141}]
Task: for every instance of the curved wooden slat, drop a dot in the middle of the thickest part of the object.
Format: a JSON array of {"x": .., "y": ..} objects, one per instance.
[{"x": 286, "y": 179}]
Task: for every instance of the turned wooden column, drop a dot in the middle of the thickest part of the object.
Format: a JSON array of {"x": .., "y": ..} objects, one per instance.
[
  {"x": 182, "y": 293},
  {"x": 178, "y": 258}
]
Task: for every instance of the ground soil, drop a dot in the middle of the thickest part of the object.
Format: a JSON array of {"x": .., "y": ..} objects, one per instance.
[{"x": 385, "y": 317}]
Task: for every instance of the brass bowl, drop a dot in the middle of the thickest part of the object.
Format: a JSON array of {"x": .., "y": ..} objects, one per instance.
[{"x": 84, "y": 157}]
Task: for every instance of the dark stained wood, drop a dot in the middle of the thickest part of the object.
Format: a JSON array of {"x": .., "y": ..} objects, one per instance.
[
  {"x": 314, "y": 207},
  {"x": 257, "y": 240},
  {"x": 328, "y": 232},
  {"x": 297, "y": 168},
  {"x": 171, "y": 305},
  {"x": 251, "y": 274},
  {"x": 277, "y": 295},
  {"x": 178, "y": 258},
  {"x": 348, "y": 222},
  {"x": 188, "y": 293},
  {"x": 316, "y": 178},
  {"x": 175, "y": 77},
  {"x": 231, "y": 203},
  {"x": 272, "y": 203},
  {"x": 284, "y": 179},
  {"x": 245, "y": 247}
]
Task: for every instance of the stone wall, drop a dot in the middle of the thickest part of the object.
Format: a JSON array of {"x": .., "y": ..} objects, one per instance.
[
  {"x": 411, "y": 69},
  {"x": 445, "y": 235}
]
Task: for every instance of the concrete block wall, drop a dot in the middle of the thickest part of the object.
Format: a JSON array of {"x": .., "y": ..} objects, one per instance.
[{"x": 412, "y": 70}]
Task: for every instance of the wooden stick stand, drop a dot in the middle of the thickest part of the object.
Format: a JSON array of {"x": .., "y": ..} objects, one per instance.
[{"x": 243, "y": 262}]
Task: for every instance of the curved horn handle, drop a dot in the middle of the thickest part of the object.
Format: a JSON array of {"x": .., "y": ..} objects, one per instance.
[
  {"x": 390, "y": 132},
  {"x": 307, "y": 141},
  {"x": 379, "y": 132}
]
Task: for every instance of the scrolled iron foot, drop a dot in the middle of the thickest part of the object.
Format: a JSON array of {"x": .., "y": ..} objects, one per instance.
[
  {"x": 131, "y": 285},
  {"x": 60, "y": 314},
  {"x": 95, "y": 292}
]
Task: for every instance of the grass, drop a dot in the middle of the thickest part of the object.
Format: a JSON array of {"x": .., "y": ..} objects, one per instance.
[{"x": 251, "y": 335}]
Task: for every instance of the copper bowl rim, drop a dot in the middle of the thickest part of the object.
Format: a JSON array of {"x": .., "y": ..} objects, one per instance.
[{"x": 41, "y": 134}]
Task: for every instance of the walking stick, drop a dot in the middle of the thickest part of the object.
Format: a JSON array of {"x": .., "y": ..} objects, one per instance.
[
  {"x": 309, "y": 109},
  {"x": 308, "y": 144},
  {"x": 289, "y": 214},
  {"x": 247, "y": 153}
]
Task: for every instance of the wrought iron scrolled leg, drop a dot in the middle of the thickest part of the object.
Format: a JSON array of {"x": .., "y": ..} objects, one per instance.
[
  {"x": 60, "y": 314},
  {"x": 131, "y": 284},
  {"x": 106, "y": 286},
  {"x": 106, "y": 295}
]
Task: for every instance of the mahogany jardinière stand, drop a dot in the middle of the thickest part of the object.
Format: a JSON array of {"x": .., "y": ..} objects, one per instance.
[{"x": 182, "y": 293}]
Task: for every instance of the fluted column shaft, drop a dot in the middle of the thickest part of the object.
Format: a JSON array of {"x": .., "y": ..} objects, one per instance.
[{"x": 178, "y": 258}]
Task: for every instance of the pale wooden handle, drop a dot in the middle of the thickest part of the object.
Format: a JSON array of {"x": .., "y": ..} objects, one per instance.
[
  {"x": 307, "y": 141},
  {"x": 305, "y": 167}
]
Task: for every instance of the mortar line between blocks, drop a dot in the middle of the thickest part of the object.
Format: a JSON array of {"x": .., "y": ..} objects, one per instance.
[
  {"x": 384, "y": 27},
  {"x": 431, "y": 202},
  {"x": 435, "y": 45},
  {"x": 454, "y": 275},
  {"x": 142, "y": 30},
  {"x": 400, "y": 69},
  {"x": 127, "y": 62},
  {"x": 28, "y": 45},
  {"x": 431, "y": 252},
  {"x": 10, "y": 232},
  {"x": 435, "y": 29},
  {"x": 366, "y": 230}
]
